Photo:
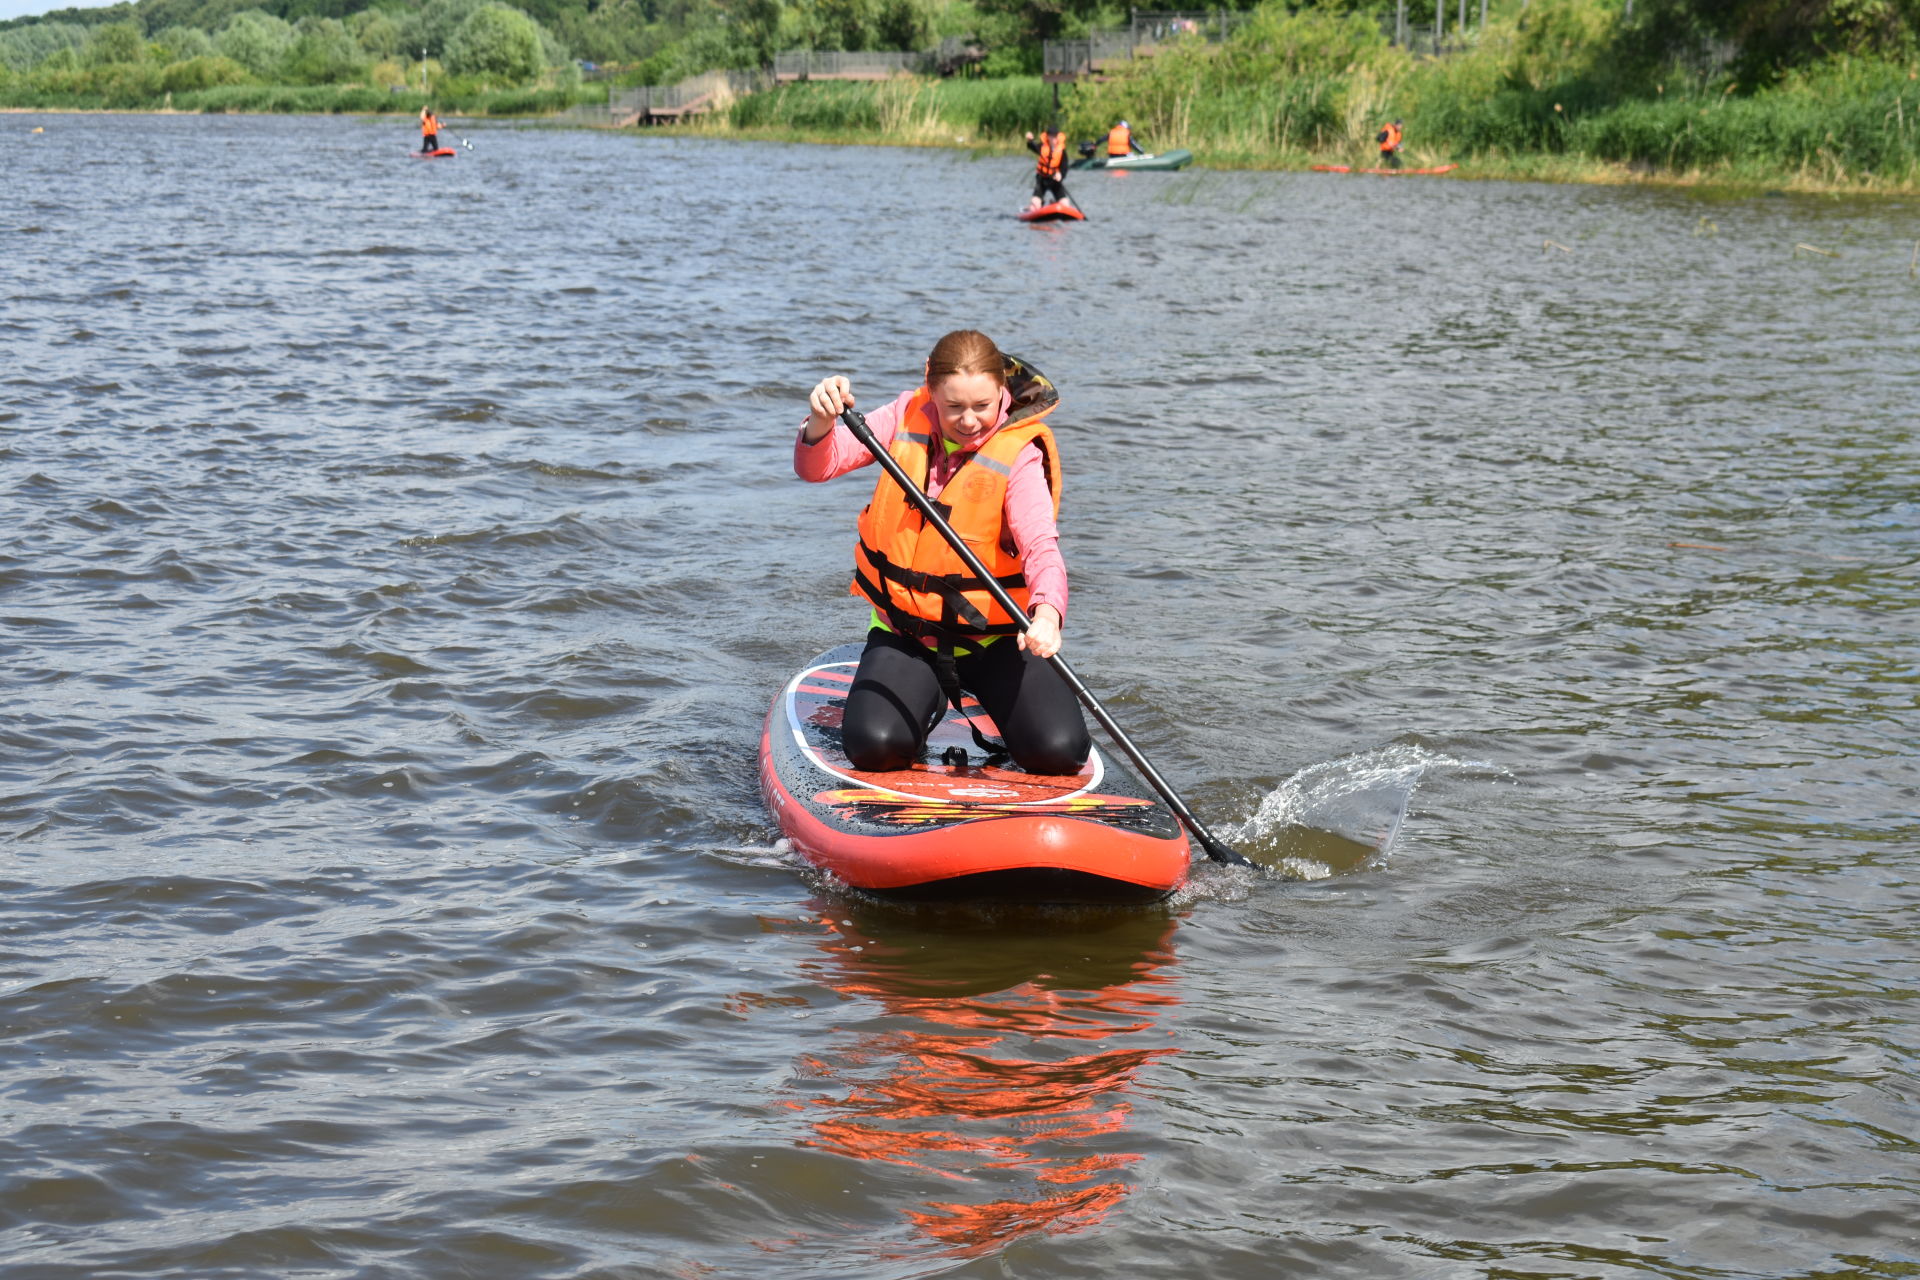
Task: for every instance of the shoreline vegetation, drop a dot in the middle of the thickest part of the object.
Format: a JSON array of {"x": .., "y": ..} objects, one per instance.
[{"x": 1545, "y": 90}]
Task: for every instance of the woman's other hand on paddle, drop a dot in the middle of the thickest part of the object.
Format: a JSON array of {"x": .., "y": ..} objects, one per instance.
[
  {"x": 1042, "y": 639},
  {"x": 825, "y": 403}
]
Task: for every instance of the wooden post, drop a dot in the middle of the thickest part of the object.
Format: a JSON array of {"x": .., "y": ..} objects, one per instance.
[
  {"x": 1439, "y": 23},
  {"x": 1483, "y": 15},
  {"x": 1400, "y": 24},
  {"x": 1461, "y": 26}
]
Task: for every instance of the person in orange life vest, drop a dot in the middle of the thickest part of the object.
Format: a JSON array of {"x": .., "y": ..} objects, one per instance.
[
  {"x": 1389, "y": 139},
  {"x": 974, "y": 438},
  {"x": 429, "y": 130},
  {"x": 1120, "y": 141},
  {"x": 1051, "y": 147}
]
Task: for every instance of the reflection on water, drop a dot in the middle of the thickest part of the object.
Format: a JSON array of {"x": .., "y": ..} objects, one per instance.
[{"x": 999, "y": 1064}]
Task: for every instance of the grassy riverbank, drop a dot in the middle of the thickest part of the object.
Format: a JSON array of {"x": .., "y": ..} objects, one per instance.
[
  {"x": 1558, "y": 90},
  {"x": 1551, "y": 97}
]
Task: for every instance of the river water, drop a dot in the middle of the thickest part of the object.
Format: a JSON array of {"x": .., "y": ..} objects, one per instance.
[{"x": 397, "y": 558}]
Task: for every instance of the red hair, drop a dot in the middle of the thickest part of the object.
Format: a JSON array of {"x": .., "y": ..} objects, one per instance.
[{"x": 966, "y": 351}]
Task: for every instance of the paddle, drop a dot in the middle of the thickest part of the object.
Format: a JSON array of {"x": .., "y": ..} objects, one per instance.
[{"x": 1215, "y": 849}]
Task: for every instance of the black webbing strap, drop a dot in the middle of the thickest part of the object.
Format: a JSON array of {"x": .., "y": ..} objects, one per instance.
[
  {"x": 947, "y": 672},
  {"x": 941, "y": 657},
  {"x": 958, "y": 615}
]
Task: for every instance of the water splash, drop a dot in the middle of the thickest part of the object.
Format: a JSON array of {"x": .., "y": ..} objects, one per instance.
[{"x": 1340, "y": 815}]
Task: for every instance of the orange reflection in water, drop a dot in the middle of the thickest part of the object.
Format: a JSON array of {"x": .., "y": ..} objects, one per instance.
[{"x": 1005, "y": 1057}]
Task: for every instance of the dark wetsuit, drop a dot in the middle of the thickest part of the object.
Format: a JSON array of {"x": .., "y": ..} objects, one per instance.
[{"x": 896, "y": 695}]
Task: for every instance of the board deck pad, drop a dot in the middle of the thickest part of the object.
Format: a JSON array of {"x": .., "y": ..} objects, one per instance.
[{"x": 933, "y": 793}]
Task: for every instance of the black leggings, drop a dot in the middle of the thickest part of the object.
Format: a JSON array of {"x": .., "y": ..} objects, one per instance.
[
  {"x": 430, "y": 142},
  {"x": 896, "y": 693},
  {"x": 1043, "y": 184}
]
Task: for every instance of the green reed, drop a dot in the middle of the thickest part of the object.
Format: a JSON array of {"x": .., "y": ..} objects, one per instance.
[{"x": 905, "y": 109}]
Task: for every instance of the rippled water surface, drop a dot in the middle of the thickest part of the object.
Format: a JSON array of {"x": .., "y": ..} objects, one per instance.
[{"x": 397, "y": 559}]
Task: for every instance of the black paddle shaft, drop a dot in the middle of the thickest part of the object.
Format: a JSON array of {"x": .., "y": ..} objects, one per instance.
[{"x": 1215, "y": 848}]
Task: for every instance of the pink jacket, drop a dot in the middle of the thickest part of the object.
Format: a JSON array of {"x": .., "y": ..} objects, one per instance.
[{"x": 1036, "y": 537}]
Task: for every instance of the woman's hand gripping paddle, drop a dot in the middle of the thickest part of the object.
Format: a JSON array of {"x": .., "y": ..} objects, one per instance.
[{"x": 1213, "y": 846}]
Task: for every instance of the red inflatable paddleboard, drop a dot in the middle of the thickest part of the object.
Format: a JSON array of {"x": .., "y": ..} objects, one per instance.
[
  {"x": 969, "y": 831},
  {"x": 433, "y": 155},
  {"x": 1391, "y": 173},
  {"x": 1055, "y": 212}
]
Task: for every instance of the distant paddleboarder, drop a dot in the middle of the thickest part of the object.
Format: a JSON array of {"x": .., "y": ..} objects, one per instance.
[
  {"x": 1051, "y": 147},
  {"x": 429, "y": 131},
  {"x": 1390, "y": 139}
]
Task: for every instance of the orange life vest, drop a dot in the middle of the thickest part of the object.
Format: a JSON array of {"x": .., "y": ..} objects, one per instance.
[
  {"x": 429, "y": 125},
  {"x": 1053, "y": 153},
  {"x": 1119, "y": 141},
  {"x": 918, "y": 583},
  {"x": 1392, "y": 141}
]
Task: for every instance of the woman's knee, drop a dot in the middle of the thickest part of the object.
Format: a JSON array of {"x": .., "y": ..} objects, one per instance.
[
  {"x": 1058, "y": 748},
  {"x": 876, "y": 744}
]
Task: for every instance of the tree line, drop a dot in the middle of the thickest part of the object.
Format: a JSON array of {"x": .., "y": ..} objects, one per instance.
[{"x": 186, "y": 44}]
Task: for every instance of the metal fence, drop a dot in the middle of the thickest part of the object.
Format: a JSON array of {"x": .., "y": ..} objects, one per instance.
[
  {"x": 1158, "y": 26},
  {"x": 882, "y": 64},
  {"x": 1427, "y": 39},
  {"x": 648, "y": 103},
  {"x": 1090, "y": 53},
  {"x": 1146, "y": 31}
]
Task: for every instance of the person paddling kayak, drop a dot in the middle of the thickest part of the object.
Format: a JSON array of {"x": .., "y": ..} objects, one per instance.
[
  {"x": 1051, "y": 147},
  {"x": 973, "y": 436},
  {"x": 429, "y": 130}
]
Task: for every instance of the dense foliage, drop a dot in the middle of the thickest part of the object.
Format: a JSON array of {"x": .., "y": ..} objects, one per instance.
[
  {"x": 133, "y": 55},
  {"x": 1572, "y": 79}
]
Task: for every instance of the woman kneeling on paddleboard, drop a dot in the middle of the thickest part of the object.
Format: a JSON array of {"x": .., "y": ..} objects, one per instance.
[{"x": 974, "y": 438}]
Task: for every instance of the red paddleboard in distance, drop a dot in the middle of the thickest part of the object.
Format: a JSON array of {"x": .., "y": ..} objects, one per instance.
[
  {"x": 433, "y": 155},
  {"x": 1055, "y": 212},
  {"x": 1411, "y": 173}
]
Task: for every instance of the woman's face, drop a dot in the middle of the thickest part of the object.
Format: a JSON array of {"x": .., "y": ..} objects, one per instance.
[{"x": 968, "y": 405}]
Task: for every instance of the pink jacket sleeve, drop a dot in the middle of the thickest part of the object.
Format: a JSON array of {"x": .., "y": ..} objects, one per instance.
[
  {"x": 1036, "y": 536},
  {"x": 837, "y": 452}
]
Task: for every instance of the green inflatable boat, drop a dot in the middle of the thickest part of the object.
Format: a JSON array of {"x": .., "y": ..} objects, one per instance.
[{"x": 1178, "y": 158}]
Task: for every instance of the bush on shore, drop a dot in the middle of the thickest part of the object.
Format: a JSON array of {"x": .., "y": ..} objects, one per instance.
[{"x": 258, "y": 61}]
